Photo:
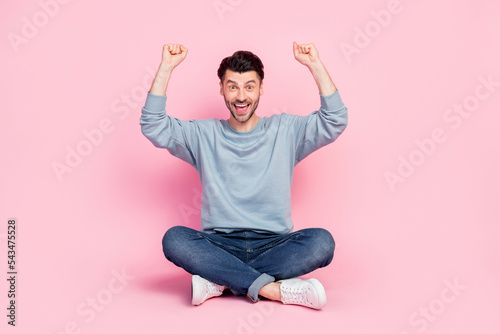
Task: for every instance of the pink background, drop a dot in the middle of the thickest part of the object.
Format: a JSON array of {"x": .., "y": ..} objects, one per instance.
[{"x": 83, "y": 66}]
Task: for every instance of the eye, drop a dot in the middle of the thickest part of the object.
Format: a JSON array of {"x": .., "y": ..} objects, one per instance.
[
  {"x": 250, "y": 87},
  {"x": 232, "y": 87}
]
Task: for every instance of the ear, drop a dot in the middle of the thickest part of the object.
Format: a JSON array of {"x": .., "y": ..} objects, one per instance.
[
  {"x": 261, "y": 87},
  {"x": 221, "y": 90}
]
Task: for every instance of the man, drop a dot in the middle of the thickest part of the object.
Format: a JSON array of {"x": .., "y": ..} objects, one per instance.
[{"x": 246, "y": 243}]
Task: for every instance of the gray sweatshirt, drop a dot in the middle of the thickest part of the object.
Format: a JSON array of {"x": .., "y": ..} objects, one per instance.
[{"x": 246, "y": 177}]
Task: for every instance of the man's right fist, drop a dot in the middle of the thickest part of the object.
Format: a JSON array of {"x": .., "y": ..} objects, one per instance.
[{"x": 173, "y": 54}]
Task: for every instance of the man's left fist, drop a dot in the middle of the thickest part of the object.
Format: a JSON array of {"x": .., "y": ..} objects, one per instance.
[{"x": 306, "y": 54}]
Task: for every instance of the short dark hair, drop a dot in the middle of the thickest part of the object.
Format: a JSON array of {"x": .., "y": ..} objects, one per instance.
[{"x": 241, "y": 61}]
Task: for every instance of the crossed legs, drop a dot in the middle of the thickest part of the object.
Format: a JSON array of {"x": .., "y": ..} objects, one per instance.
[{"x": 247, "y": 262}]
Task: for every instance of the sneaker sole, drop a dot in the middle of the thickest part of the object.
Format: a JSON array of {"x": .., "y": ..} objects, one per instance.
[
  {"x": 321, "y": 292},
  {"x": 196, "y": 283}
]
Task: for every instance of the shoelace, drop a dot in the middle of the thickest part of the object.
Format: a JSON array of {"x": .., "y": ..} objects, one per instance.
[
  {"x": 214, "y": 289},
  {"x": 294, "y": 295}
]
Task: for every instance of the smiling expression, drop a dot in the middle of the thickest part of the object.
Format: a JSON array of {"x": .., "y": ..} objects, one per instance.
[{"x": 241, "y": 93}]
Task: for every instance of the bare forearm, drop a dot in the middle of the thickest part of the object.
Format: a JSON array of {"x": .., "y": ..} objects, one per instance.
[
  {"x": 307, "y": 55},
  {"x": 322, "y": 78},
  {"x": 160, "y": 82},
  {"x": 172, "y": 55}
]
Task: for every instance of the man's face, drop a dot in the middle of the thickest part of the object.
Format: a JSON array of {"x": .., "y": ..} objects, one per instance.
[{"x": 241, "y": 92}]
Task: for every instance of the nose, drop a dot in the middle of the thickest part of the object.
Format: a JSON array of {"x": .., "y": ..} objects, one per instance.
[{"x": 241, "y": 95}]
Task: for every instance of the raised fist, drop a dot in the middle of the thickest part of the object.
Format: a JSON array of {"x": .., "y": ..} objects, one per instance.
[
  {"x": 173, "y": 54},
  {"x": 306, "y": 54}
]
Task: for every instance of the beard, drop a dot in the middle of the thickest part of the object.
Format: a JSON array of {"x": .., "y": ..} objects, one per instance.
[{"x": 246, "y": 116}]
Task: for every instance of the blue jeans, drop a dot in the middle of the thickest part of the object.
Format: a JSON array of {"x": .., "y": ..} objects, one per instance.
[{"x": 245, "y": 261}]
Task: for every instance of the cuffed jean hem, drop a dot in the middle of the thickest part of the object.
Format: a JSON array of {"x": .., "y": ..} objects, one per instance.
[{"x": 253, "y": 290}]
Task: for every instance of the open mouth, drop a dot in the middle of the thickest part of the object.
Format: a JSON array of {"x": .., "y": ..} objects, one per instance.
[{"x": 241, "y": 108}]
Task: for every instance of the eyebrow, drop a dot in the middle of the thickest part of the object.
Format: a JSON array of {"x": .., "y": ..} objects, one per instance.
[{"x": 234, "y": 82}]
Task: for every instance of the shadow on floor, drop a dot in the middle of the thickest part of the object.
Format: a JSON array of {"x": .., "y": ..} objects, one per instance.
[{"x": 178, "y": 285}]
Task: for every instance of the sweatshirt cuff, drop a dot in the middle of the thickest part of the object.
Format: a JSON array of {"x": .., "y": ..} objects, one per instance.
[
  {"x": 155, "y": 102},
  {"x": 332, "y": 101}
]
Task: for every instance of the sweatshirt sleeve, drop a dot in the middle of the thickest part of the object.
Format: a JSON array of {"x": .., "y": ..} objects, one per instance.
[
  {"x": 165, "y": 131},
  {"x": 321, "y": 127}
]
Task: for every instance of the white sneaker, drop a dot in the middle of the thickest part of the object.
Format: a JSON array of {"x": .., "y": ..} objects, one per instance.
[
  {"x": 308, "y": 293},
  {"x": 202, "y": 289}
]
